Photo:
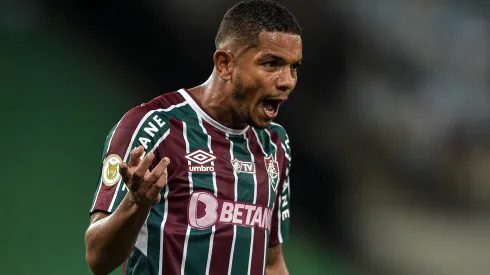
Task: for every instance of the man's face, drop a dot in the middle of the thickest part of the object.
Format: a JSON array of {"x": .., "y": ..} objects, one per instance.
[{"x": 265, "y": 76}]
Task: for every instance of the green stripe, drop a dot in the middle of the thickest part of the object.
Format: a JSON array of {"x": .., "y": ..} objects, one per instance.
[
  {"x": 285, "y": 198},
  {"x": 269, "y": 149},
  {"x": 137, "y": 264},
  {"x": 285, "y": 207},
  {"x": 154, "y": 223},
  {"x": 245, "y": 193},
  {"x": 278, "y": 129},
  {"x": 104, "y": 153},
  {"x": 199, "y": 240}
]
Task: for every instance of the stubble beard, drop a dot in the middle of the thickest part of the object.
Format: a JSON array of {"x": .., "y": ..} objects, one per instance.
[
  {"x": 239, "y": 96},
  {"x": 238, "y": 91}
]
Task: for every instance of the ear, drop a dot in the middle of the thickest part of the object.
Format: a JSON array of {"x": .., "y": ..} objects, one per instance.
[{"x": 223, "y": 62}]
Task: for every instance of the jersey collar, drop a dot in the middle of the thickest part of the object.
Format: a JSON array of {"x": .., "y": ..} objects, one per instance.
[{"x": 200, "y": 112}]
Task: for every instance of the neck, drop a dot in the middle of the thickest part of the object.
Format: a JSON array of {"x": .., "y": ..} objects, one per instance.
[{"x": 216, "y": 99}]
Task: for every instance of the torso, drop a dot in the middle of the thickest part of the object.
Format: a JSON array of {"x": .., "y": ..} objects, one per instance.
[{"x": 216, "y": 210}]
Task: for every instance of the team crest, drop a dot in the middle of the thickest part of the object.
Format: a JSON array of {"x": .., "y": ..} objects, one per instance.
[
  {"x": 272, "y": 168},
  {"x": 110, "y": 170}
]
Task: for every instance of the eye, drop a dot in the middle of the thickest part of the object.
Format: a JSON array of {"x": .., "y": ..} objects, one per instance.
[
  {"x": 295, "y": 66},
  {"x": 270, "y": 64}
]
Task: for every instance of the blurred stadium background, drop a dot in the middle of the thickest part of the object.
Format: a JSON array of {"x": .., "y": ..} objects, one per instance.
[{"x": 389, "y": 125}]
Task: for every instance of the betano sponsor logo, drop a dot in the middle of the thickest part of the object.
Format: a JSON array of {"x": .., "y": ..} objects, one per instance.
[
  {"x": 201, "y": 157},
  {"x": 205, "y": 210}
]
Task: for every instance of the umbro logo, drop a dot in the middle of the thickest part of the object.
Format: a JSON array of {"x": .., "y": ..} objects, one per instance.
[{"x": 200, "y": 157}]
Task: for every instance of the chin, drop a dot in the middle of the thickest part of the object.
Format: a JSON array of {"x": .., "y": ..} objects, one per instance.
[{"x": 260, "y": 124}]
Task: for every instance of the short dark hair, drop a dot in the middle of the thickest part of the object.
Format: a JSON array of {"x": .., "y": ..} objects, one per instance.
[{"x": 244, "y": 21}]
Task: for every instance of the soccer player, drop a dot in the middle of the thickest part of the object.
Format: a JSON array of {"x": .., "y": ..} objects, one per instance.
[{"x": 196, "y": 181}]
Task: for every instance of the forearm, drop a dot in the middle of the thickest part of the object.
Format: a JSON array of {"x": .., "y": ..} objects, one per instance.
[
  {"x": 277, "y": 269},
  {"x": 110, "y": 240},
  {"x": 275, "y": 264}
]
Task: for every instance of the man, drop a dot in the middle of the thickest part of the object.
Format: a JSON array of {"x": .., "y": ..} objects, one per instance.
[{"x": 203, "y": 181}]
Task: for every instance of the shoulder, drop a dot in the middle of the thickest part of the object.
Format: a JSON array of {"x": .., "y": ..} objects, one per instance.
[
  {"x": 279, "y": 130},
  {"x": 161, "y": 103},
  {"x": 147, "y": 124}
]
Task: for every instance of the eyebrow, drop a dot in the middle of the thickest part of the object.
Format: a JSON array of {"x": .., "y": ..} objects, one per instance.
[{"x": 275, "y": 57}]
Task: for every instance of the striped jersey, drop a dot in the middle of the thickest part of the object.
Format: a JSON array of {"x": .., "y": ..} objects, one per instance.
[{"x": 227, "y": 196}]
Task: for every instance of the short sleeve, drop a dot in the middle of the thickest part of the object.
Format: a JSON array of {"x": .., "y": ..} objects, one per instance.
[{"x": 139, "y": 126}]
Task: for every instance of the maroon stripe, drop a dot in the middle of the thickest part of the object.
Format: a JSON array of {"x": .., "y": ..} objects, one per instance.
[
  {"x": 274, "y": 234},
  {"x": 280, "y": 155},
  {"x": 262, "y": 199},
  {"x": 281, "y": 159},
  {"x": 166, "y": 100},
  {"x": 225, "y": 182},
  {"x": 178, "y": 183}
]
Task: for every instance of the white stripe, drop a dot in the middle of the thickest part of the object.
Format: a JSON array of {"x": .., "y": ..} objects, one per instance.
[
  {"x": 209, "y": 119},
  {"x": 162, "y": 226},
  {"x": 215, "y": 188},
  {"x": 184, "y": 256},
  {"x": 236, "y": 192},
  {"x": 142, "y": 240},
  {"x": 286, "y": 182},
  {"x": 268, "y": 199},
  {"x": 286, "y": 152},
  {"x": 258, "y": 139},
  {"x": 254, "y": 202},
  {"x": 105, "y": 153},
  {"x": 265, "y": 252},
  {"x": 279, "y": 234},
  {"x": 135, "y": 133},
  {"x": 210, "y": 251}
]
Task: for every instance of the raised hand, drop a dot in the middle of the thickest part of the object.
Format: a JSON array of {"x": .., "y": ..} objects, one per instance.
[{"x": 144, "y": 186}]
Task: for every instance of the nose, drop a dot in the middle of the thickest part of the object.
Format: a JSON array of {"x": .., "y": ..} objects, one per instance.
[{"x": 286, "y": 80}]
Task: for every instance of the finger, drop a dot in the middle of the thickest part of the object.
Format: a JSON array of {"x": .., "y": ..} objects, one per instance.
[
  {"x": 158, "y": 170},
  {"x": 156, "y": 188},
  {"x": 125, "y": 172},
  {"x": 142, "y": 168},
  {"x": 135, "y": 156}
]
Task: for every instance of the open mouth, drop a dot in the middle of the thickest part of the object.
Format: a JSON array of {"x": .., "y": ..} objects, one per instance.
[{"x": 271, "y": 107}]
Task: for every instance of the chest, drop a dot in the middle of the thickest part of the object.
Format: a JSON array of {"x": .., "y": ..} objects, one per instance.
[{"x": 237, "y": 168}]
